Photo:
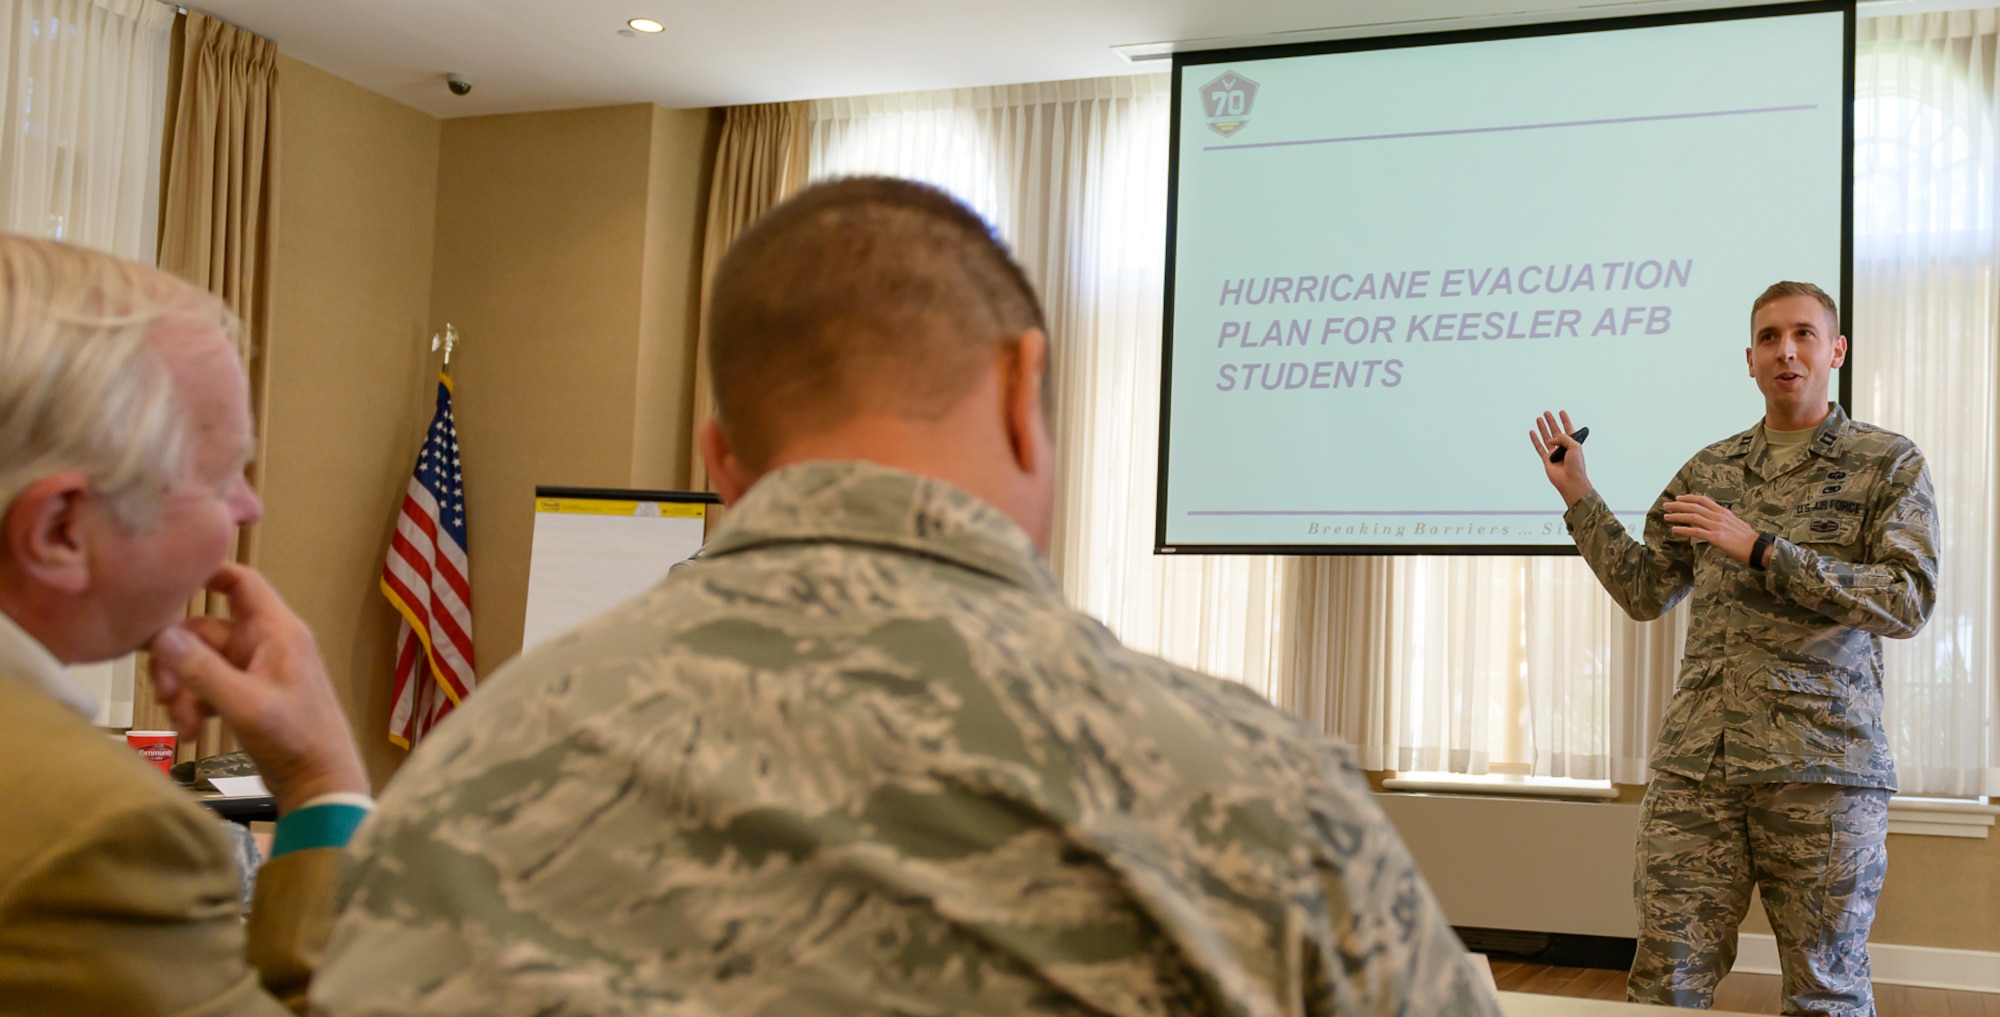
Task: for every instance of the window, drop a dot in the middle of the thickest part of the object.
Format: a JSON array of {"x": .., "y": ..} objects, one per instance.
[{"x": 1925, "y": 328}]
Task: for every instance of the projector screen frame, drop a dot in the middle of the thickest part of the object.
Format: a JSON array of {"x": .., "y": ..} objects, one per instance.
[{"x": 1405, "y": 40}]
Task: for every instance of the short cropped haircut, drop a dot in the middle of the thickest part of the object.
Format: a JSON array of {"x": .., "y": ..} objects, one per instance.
[
  {"x": 81, "y": 387},
  {"x": 863, "y": 295},
  {"x": 1781, "y": 290}
]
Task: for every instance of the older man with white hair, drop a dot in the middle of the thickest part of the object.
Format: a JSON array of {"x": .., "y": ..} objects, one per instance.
[{"x": 124, "y": 432}]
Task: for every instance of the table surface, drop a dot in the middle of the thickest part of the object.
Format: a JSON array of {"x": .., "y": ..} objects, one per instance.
[{"x": 245, "y": 809}]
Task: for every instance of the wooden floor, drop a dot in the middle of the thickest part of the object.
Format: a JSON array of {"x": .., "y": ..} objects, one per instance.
[{"x": 1740, "y": 992}]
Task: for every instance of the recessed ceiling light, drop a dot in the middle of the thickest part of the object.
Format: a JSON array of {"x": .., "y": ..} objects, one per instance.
[{"x": 647, "y": 25}]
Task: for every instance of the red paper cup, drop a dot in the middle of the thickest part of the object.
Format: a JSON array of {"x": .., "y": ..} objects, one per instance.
[{"x": 156, "y": 746}]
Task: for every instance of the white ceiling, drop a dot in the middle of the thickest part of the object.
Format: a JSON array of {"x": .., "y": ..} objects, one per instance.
[{"x": 556, "y": 54}]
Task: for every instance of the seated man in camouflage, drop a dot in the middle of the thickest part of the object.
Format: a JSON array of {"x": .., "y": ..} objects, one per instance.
[{"x": 863, "y": 759}]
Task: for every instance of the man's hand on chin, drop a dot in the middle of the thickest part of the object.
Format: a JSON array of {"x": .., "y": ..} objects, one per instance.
[{"x": 261, "y": 672}]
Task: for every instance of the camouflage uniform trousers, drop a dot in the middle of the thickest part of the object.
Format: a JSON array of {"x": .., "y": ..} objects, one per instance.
[{"x": 1816, "y": 854}]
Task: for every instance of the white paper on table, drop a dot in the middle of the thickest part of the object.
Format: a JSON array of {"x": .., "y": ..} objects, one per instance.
[{"x": 240, "y": 787}]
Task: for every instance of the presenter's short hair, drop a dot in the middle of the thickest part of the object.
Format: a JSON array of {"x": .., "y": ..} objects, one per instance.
[
  {"x": 867, "y": 294},
  {"x": 81, "y": 387},
  {"x": 1781, "y": 290}
]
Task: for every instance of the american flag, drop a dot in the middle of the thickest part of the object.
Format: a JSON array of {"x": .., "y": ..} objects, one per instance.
[{"x": 428, "y": 580}]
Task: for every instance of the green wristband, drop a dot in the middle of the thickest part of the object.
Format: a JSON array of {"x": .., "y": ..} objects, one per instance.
[{"x": 317, "y": 826}]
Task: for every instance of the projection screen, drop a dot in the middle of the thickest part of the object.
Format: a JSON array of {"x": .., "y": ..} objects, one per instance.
[{"x": 1387, "y": 256}]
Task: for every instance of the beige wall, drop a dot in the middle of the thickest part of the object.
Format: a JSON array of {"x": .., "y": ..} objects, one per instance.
[
  {"x": 349, "y": 387},
  {"x": 670, "y": 304},
  {"x": 566, "y": 248},
  {"x": 1941, "y": 891}
]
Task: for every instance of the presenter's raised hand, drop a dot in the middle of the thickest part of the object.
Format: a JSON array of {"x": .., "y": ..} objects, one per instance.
[
  {"x": 261, "y": 672},
  {"x": 1568, "y": 476},
  {"x": 1699, "y": 517}
]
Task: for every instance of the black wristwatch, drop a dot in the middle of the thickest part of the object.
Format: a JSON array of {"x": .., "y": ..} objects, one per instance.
[{"x": 1757, "y": 550}]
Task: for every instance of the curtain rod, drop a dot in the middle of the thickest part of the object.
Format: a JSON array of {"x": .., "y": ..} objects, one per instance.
[{"x": 185, "y": 9}]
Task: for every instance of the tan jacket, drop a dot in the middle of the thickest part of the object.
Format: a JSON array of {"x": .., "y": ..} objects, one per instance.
[{"x": 118, "y": 894}]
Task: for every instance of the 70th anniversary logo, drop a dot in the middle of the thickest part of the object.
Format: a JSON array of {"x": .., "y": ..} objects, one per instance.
[{"x": 1226, "y": 101}]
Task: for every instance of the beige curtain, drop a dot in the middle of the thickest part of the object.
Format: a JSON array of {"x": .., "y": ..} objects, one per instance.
[
  {"x": 1477, "y": 665},
  {"x": 83, "y": 99},
  {"x": 1073, "y": 176},
  {"x": 759, "y": 162},
  {"x": 1926, "y": 360},
  {"x": 219, "y": 219}
]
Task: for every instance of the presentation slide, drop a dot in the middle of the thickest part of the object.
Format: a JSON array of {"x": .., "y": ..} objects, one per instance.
[{"x": 1386, "y": 262}]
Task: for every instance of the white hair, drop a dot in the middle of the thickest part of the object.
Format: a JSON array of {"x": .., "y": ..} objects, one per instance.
[{"x": 81, "y": 386}]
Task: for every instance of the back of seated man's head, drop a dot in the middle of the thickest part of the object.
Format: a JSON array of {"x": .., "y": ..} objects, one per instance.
[
  {"x": 880, "y": 319},
  {"x": 124, "y": 429}
]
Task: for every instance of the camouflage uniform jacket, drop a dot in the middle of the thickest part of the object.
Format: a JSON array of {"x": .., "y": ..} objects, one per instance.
[
  {"x": 1783, "y": 668},
  {"x": 863, "y": 760}
]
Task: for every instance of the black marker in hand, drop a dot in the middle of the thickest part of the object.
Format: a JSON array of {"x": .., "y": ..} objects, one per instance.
[{"x": 1580, "y": 434}]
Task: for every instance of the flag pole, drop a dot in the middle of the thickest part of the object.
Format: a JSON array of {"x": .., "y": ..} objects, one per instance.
[
  {"x": 446, "y": 339},
  {"x": 426, "y": 577}
]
